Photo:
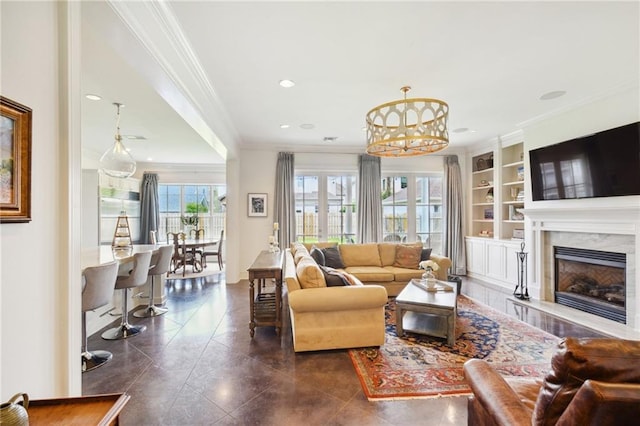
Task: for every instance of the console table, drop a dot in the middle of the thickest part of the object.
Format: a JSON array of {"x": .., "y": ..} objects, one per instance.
[{"x": 266, "y": 307}]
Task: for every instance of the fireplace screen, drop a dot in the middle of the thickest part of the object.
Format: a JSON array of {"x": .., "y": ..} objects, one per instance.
[{"x": 592, "y": 281}]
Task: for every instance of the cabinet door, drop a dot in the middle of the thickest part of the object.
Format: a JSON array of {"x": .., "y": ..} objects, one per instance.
[
  {"x": 475, "y": 256},
  {"x": 512, "y": 263},
  {"x": 496, "y": 260}
]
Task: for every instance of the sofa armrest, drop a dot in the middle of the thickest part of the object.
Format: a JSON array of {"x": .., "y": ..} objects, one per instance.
[
  {"x": 444, "y": 263},
  {"x": 338, "y": 298},
  {"x": 495, "y": 395},
  {"x": 601, "y": 403}
]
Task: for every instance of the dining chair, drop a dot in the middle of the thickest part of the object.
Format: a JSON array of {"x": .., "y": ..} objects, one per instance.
[
  {"x": 160, "y": 264},
  {"x": 181, "y": 256},
  {"x": 137, "y": 276},
  {"x": 98, "y": 283},
  {"x": 217, "y": 251}
]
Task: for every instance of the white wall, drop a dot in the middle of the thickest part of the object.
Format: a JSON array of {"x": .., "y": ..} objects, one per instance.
[{"x": 35, "y": 328}]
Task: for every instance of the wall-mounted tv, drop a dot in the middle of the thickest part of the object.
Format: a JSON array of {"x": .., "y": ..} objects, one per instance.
[{"x": 603, "y": 164}]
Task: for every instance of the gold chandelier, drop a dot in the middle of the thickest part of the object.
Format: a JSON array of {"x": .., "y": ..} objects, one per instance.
[{"x": 407, "y": 127}]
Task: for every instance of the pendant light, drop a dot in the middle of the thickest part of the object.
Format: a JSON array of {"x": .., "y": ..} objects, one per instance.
[
  {"x": 407, "y": 127},
  {"x": 116, "y": 161}
]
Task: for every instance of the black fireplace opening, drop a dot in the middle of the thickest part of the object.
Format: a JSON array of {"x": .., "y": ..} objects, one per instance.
[{"x": 592, "y": 281}]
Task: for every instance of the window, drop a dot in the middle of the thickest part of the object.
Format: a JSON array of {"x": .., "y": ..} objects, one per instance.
[
  {"x": 412, "y": 209},
  {"x": 203, "y": 204},
  {"x": 326, "y": 208}
]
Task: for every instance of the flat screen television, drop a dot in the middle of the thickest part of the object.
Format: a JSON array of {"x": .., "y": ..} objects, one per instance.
[{"x": 603, "y": 164}]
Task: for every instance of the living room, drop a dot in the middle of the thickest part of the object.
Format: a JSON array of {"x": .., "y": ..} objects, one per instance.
[{"x": 53, "y": 237}]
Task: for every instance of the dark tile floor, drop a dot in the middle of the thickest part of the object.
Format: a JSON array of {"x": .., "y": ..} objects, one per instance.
[{"x": 197, "y": 365}]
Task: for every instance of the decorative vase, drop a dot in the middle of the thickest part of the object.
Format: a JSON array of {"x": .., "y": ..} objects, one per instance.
[
  {"x": 14, "y": 414},
  {"x": 429, "y": 278}
]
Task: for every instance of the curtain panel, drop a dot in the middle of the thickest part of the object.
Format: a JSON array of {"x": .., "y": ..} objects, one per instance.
[
  {"x": 453, "y": 212},
  {"x": 369, "y": 199},
  {"x": 284, "y": 210},
  {"x": 149, "y": 207}
]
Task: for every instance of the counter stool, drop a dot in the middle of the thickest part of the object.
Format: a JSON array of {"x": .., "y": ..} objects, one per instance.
[
  {"x": 137, "y": 277},
  {"x": 160, "y": 264},
  {"x": 98, "y": 283}
]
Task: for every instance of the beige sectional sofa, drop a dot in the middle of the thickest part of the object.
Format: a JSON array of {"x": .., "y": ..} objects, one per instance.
[{"x": 345, "y": 316}]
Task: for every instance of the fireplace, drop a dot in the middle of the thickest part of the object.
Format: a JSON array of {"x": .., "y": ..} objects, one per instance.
[{"x": 592, "y": 281}]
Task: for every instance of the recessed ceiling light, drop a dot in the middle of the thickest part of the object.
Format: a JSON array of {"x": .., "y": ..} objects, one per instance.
[
  {"x": 149, "y": 159},
  {"x": 329, "y": 138},
  {"x": 460, "y": 130},
  {"x": 93, "y": 97},
  {"x": 287, "y": 83},
  {"x": 135, "y": 137},
  {"x": 307, "y": 126},
  {"x": 552, "y": 95},
  {"x": 364, "y": 128},
  {"x": 284, "y": 126}
]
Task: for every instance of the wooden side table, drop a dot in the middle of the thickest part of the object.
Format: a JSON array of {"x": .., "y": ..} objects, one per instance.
[
  {"x": 100, "y": 410},
  {"x": 265, "y": 307}
]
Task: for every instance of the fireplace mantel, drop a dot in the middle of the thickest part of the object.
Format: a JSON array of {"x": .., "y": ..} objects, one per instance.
[{"x": 613, "y": 228}]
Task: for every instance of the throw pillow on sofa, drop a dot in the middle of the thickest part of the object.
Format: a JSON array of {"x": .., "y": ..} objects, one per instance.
[
  {"x": 317, "y": 255},
  {"x": 309, "y": 273},
  {"x": 426, "y": 254},
  {"x": 332, "y": 258},
  {"x": 407, "y": 256}
]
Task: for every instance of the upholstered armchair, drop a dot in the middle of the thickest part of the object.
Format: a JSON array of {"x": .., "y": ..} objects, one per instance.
[{"x": 591, "y": 382}]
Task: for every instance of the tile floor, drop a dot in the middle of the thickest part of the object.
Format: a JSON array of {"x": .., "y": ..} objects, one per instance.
[{"x": 197, "y": 365}]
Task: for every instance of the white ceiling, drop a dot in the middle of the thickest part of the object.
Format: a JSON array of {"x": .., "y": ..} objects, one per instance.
[{"x": 200, "y": 79}]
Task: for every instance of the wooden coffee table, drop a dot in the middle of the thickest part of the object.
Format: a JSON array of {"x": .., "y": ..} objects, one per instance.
[{"x": 426, "y": 312}]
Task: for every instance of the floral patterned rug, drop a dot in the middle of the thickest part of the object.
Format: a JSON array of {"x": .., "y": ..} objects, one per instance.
[{"x": 419, "y": 366}]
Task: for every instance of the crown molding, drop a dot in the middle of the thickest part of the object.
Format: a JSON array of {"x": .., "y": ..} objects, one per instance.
[{"x": 155, "y": 26}]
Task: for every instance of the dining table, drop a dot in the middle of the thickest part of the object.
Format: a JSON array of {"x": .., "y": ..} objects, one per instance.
[{"x": 193, "y": 245}]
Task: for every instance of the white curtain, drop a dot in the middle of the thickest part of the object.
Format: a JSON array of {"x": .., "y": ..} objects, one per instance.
[
  {"x": 284, "y": 209},
  {"x": 453, "y": 213},
  {"x": 149, "y": 207},
  {"x": 369, "y": 199}
]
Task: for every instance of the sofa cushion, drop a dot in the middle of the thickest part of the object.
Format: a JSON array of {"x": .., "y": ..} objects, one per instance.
[
  {"x": 360, "y": 254},
  {"x": 296, "y": 246},
  {"x": 332, "y": 257},
  {"x": 370, "y": 274},
  {"x": 426, "y": 254},
  {"x": 407, "y": 256},
  {"x": 318, "y": 255},
  {"x": 388, "y": 252},
  {"x": 606, "y": 360},
  {"x": 309, "y": 273},
  {"x": 333, "y": 277},
  {"x": 404, "y": 274}
]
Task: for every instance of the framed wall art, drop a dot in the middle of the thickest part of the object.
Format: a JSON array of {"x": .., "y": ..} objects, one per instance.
[
  {"x": 15, "y": 161},
  {"x": 257, "y": 205}
]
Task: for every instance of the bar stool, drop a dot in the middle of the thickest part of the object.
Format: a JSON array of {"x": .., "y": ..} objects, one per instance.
[
  {"x": 98, "y": 283},
  {"x": 160, "y": 264},
  {"x": 137, "y": 277}
]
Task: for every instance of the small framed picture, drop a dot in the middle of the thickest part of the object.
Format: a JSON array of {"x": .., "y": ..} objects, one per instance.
[{"x": 257, "y": 205}]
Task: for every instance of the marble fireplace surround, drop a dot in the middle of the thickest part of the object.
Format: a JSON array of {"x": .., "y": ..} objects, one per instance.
[{"x": 615, "y": 229}]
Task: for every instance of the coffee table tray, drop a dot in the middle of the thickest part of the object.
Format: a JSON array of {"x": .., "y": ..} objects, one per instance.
[{"x": 440, "y": 286}]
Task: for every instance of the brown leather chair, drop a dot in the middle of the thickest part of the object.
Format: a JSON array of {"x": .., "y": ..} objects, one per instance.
[{"x": 591, "y": 382}]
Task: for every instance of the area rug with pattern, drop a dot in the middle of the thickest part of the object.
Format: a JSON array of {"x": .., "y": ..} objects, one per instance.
[{"x": 420, "y": 366}]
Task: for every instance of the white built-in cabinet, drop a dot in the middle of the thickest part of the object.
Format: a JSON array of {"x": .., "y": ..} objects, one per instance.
[{"x": 497, "y": 185}]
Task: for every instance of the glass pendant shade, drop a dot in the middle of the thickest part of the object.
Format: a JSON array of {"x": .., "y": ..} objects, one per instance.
[{"x": 117, "y": 162}]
